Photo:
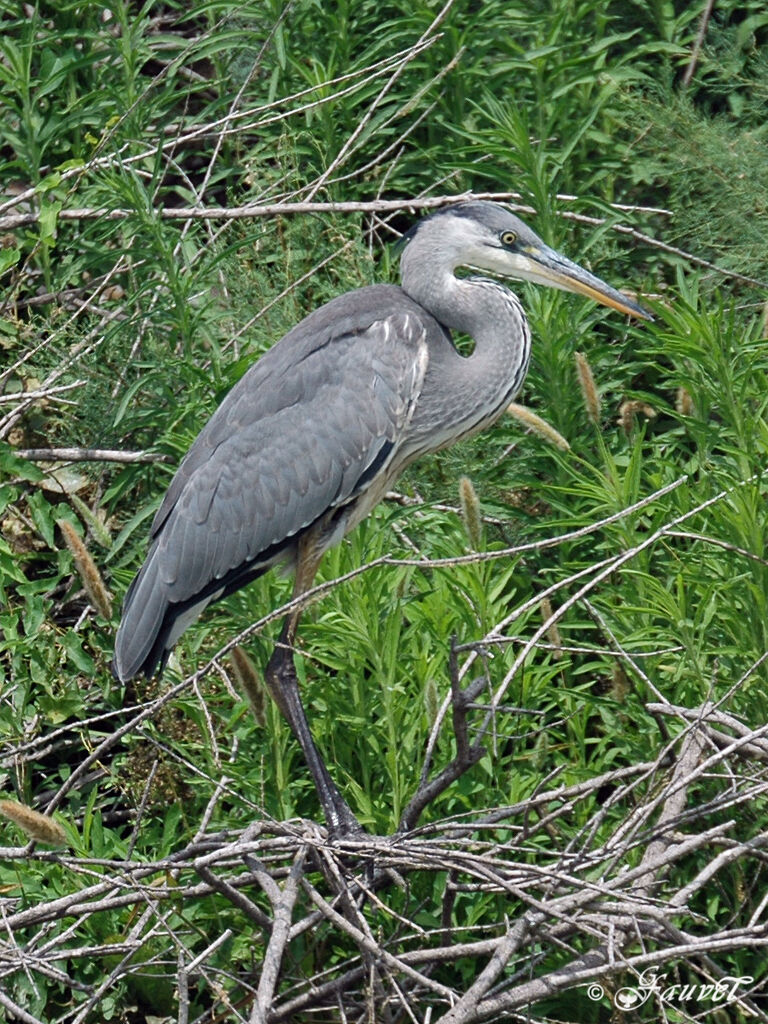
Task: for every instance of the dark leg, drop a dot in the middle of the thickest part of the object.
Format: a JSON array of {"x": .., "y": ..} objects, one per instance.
[{"x": 284, "y": 689}]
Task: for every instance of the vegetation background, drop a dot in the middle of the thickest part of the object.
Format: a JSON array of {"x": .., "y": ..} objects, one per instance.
[{"x": 168, "y": 175}]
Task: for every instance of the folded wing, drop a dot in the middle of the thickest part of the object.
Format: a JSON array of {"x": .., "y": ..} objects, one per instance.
[{"x": 303, "y": 432}]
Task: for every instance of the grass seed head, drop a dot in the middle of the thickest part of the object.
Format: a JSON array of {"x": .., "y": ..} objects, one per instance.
[
  {"x": 538, "y": 425},
  {"x": 588, "y": 389},
  {"x": 34, "y": 824},
  {"x": 470, "y": 512},
  {"x": 553, "y": 633},
  {"x": 431, "y": 701},
  {"x": 684, "y": 402},
  {"x": 87, "y": 570},
  {"x": 630, "y": 409},
  {"x": 249, "y": 682}
]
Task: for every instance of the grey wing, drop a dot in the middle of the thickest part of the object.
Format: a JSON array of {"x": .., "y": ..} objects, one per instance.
[{"x": 302, "y": 433}]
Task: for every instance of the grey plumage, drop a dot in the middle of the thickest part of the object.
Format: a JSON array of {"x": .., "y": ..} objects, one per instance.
[
  {"x": 311, "y": 437},
  {"x": 279, "y": 454}
]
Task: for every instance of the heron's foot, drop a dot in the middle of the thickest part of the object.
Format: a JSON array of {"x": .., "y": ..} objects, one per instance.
[{"x": 342, "y": 823}]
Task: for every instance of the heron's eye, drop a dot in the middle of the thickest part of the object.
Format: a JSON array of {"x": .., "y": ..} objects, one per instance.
[{"x": 508, "y": 238}]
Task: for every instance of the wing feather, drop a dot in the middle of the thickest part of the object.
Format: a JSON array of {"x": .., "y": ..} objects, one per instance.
[
  {"x": 303, "y": 432},
  {"x": 268, "y": 478}
]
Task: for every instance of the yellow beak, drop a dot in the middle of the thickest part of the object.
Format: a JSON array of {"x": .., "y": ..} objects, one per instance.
[{"x": 545, "y": 266}]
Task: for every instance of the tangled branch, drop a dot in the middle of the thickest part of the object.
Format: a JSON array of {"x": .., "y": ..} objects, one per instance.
[{"x": 561, "y": 914}]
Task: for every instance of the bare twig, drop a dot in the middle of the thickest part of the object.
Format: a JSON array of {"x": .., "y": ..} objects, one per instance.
[
  {"x": 706, "y": 14},
  {"x": 283, "y": 909},
  {"x": 559, "y": 894},
  {"x": 89, "y": 455},
  {"x": 466, "y": 754}
]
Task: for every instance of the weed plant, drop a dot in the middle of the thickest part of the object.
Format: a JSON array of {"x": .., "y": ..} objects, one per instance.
[{"x": 130, "y": 322}]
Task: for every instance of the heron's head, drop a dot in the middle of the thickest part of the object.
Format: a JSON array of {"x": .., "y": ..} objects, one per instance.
[{"x": 485, "y": 236}]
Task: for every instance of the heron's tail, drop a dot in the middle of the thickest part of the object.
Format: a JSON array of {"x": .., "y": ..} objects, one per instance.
[
  {"x": 142, "y": 641},
  {"x": 152, "y": 621}
]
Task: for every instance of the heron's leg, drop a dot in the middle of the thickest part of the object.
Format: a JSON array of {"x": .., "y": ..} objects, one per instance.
[{"x": 284, "y": 688}]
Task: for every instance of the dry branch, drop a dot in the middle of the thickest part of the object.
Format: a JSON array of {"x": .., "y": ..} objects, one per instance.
[
  {"x": 89, "y": 455},
  {"x": 592, "y": 912},
  {"x": 283, "y": 902}
]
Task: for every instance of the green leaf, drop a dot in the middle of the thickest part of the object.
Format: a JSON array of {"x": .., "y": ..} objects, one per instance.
[
  {"x": 43, "y": 516},
  {"x": 9, "y": 567},
  {"x": 73, "y": 645},
  {"x": 14, "y": 465},
  {"x": 47, "y": 220},
  {"x": 9, "y": 258}
]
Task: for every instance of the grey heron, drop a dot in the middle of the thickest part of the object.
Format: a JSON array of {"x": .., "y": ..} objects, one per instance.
[{"x": 312, "y": 436}]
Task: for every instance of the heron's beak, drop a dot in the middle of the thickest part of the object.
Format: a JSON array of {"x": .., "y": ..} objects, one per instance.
[{"x": 545, "y": 266}]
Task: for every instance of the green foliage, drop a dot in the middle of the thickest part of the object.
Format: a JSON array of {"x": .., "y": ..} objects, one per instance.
[{"x": 148, "y": 319}]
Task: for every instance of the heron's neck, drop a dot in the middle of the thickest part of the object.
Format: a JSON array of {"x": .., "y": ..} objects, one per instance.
[
  {"x": 484, "y": 309},
  {"x": 492, "y": 316},
  {"x": 468, "y": 304}
]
